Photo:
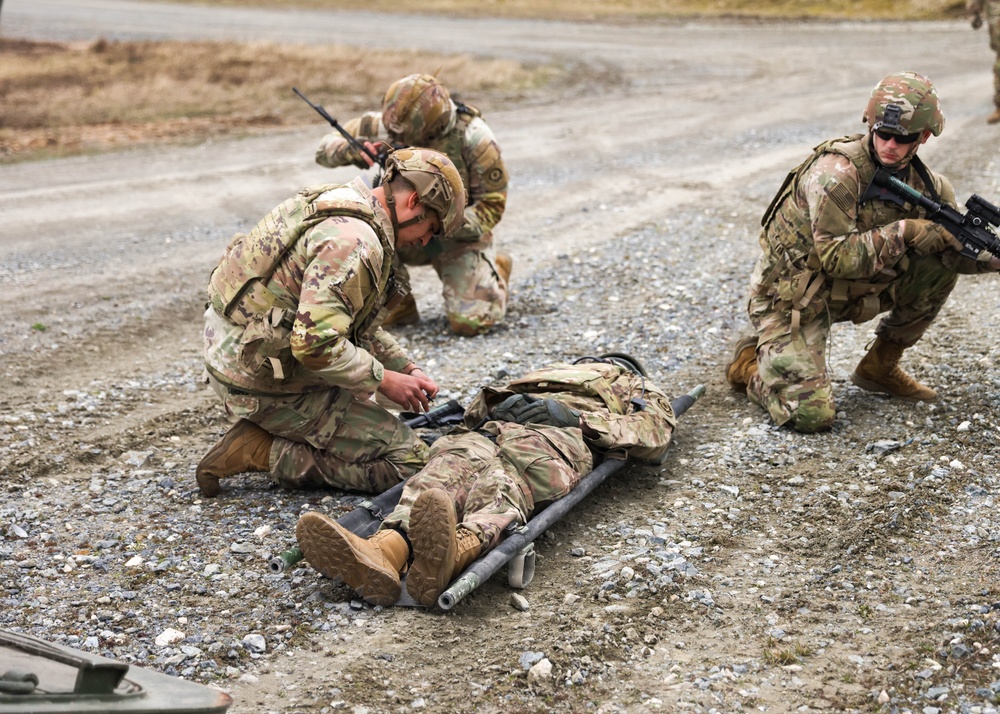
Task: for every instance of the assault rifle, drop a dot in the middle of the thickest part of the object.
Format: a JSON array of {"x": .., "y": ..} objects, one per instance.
[
  {"x": 369, "y": 514},
  {"x": 377, "y": 159},
  {"x": 448, "y": 414},
  {"x": 973, "y": 229}
]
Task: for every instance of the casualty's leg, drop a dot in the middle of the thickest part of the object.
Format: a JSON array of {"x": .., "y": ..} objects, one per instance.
[
  {"x": 441, "y": 549},
  {"x": 370, "y": 566}
]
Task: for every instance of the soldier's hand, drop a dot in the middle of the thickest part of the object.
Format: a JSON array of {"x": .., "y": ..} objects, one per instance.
[
  {"x": 977, "y": 21},
  {"x": 374, "y": 148},
  {"x": 411, "y": 391},
  {"x": 526, "y": 409},
  {"x": 926, "y": 237}
]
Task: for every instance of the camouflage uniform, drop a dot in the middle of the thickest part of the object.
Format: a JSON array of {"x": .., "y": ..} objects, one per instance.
[
  {"x": 293, "y": 343},
  {"x": 976, "y": 8},
  {"x": 826, "y": 257},
  {"x": 475, "y": 294},
  {"x": 502, "y": 472}
]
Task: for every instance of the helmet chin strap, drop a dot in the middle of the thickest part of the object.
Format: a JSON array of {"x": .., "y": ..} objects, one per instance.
[{"x": 390, "y": 202}]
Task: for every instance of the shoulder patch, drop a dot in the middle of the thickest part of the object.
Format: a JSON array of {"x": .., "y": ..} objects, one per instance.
[
  {"x": 843, "y": 197},
  {"x": 490, "y": 166}
]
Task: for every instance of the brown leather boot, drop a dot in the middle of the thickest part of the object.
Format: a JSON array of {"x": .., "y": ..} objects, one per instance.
[
  {"x": 370, "y": 566},
  {"x": 405, "y": 313},
  {"x": 245, "y": 447},
  {"x": 440, "y": 549},
  {"x": 879, "y": 371},
  {"x": 504, "y": 265},
  {"x": 743, "y": 364},
  {"x": 994, "y": 117}
]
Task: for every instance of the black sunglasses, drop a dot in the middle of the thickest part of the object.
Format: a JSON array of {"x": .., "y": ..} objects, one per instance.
[{"x": 898, "y": 138}]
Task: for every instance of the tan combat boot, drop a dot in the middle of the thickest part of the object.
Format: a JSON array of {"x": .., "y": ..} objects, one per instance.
[
  {"x": 504, "y": 265},
  {"x": 440, "y": 549},
  {"x": 245, "y": 447},
  {"x": 743, "y": 364},
  {"x": 879, "y": 371},
  {"x": 405, "y": 313},
  {"x": 370, "y": 566},
  {"x": 994, "y": 117}
]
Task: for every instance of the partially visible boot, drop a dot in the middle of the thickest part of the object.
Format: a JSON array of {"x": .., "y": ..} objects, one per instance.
[
  {"x": 879, "y": 371},
  {"x": 743, "y": 364},
  {"x": 994, "y": 117},
  {"x": 370, "y": 566},
  {"x": 245, "y": 447},
  {"x": 405, "y": 313},
  {"x": 441, "y": 550},
  {"x": 504, "y": 265}
]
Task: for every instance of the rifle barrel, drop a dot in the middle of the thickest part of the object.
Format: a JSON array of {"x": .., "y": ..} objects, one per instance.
[{"x": 352, "y": 140}]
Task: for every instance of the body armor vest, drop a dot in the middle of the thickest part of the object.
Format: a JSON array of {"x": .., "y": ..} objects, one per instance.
[
  {"x": 800, "y": 266},
  {"x": 239, "y": 291}
]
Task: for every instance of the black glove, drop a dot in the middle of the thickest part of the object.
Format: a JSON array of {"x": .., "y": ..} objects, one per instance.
[{"x": 526, "y": 409}]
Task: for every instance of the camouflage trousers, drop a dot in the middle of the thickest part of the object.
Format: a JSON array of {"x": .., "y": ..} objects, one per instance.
[
  {"x": 475, "y": 296},
  {"x": 792, "y": 382},
  {"x": 500, "y": 476},
  {"x": 330, "y": 437}
]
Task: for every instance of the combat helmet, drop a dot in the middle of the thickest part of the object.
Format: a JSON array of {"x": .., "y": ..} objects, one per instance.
[
  {"x": 904, "y": 103},
  {"x": 435, "y": 179},
  {"x": 417, "y": 109},
  {"x": 621, "y": 359}
]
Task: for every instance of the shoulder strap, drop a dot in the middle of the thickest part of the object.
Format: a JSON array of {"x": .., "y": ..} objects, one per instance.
[
  {"x": 787, "y": 185},
  {"x": 314, "y": 213}
]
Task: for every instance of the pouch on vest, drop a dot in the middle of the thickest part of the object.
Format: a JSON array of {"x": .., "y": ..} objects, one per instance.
[
  {"x": 865, "y": 309},
  {"x": 265, "y": 346},
  {"x": 863, "y": 297}
]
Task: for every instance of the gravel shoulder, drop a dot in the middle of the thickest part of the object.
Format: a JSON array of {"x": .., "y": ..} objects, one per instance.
[{"x": 756, "y": 569}]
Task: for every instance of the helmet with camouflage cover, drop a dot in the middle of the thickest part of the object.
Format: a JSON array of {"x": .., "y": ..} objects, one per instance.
[
  {"x": 435, "y": 179},
  {"x": 416, "y": 109},
  {"x": 904, "y": 103},
  {"x": 621, "y": 359}
]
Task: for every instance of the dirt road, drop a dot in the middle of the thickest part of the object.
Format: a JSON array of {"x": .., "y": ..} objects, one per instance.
[{"x": 671, "y": 134}]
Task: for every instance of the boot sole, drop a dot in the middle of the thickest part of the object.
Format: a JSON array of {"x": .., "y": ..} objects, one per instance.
[
  {"x": 328, "y": 548},
  {"x": 432, "y": 536},
  {"x": 870, "y": 386}
]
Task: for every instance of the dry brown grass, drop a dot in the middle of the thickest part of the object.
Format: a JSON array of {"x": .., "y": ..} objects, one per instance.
[
  {"x": 606, "y": 9},
  {"x": 71, "y": 98}
]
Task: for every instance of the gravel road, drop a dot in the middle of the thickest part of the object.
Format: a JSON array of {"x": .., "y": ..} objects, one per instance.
[{"x": 759, "y": 569}]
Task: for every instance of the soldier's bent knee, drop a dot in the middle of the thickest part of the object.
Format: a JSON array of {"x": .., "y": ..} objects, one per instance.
[{"x": 810, "y": 420}]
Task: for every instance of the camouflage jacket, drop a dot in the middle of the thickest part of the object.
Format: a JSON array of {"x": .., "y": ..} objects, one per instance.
[
  {"x": 469, "y": 143},
  {"x": 820, "y": 243},
  {"x": 603, "y": 394},
  {"x": 296, "y": 304}
]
